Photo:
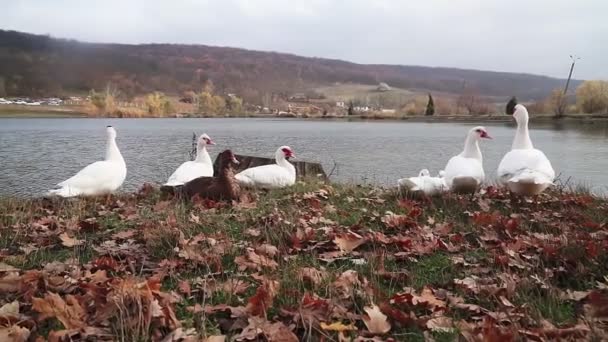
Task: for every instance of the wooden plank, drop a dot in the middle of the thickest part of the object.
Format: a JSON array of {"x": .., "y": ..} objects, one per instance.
[{"x": 304, "y": 169}]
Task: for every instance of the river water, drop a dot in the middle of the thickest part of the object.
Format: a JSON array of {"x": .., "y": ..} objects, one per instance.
[{"x": 36, "y": 154}]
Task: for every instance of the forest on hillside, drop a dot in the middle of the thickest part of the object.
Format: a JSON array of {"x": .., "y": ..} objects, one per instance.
[{"x": 38, "y": 65}]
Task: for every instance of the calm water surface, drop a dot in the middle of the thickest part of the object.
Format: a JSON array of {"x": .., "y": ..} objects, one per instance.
[{"x": 36, "y": 154}]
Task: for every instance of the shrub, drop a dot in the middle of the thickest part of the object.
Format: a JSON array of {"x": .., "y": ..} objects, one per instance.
[{"x": 592, "y": 96}]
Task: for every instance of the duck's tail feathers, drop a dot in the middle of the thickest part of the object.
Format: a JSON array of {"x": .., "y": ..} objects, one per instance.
[
  {"x": 64, "y": 191},
  {"x": 464, "y": 184},
  {"x": 531, "y": 177},
  {"x": 408, "y": 185},
  {"x": 170, "y": 190}
]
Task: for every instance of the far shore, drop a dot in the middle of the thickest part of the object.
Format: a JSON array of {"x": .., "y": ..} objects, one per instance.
[{"x": 18, "y": 111}]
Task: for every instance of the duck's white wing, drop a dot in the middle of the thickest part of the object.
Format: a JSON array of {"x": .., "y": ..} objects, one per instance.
[
  {"x": 463, "y": 174},
  {"x": 188, "y": 171},
  {"x": 265, "y": 176},
  {"x": 411, "y": 183},
  {"x": 527, "y": 166},
  {"x": 98, "y": 177},
  {"x": 434, "y": 186},
  {"x": 458, "y": 167}
]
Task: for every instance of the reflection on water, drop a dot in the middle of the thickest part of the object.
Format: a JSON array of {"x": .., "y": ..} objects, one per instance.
[{"x": 38, "y": 153}]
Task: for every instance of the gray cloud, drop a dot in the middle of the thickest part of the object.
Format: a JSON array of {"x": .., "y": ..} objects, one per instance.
[{"x": 532, "y": 36}]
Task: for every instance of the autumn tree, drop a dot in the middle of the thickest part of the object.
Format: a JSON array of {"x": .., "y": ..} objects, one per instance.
[
  {"x": 105, "y": 101},
  {"x": 234, "y": 104},
  {"x": 158, "y": 104},
  {"x": 211, "y": 104},
  {"x": 430, "y": 106},
  {"x": 592, "y": 96}
]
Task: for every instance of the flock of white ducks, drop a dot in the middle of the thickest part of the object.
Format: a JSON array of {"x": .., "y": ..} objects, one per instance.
[{"x": 524, "y": 170}]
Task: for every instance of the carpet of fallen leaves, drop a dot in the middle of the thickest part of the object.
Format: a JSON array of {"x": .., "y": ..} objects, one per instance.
[{"x": 316, "y": 262}]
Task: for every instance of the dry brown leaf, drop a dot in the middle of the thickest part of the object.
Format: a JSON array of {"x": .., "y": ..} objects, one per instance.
[
  {"x": 255, "y": 261},
  {"x": 427, "y": 296},
  {"x": 68, "y": 311},
  {"x": 10, "y": 309},
  {"x": 273, "y": 332},
  {"x": 234, "y": 286},
  {"x": 7, "y": 268},
  {"x": 312, "y": 275},
  {"x": 215, "y": 338},
  {"x": 14, "y": 334},
  {"x": 68, "y": 241},
  {"x": 124, "y": 235},
  {"x": 338, "y": 326},
  {"x": 346, "y": 283},
  {"x": 10, "y": 282},
  {"x": 267, "y": 249},
  {"x": 375, "y": 321},
  {"x": 440, "y": 324},
  {"x": 349, "y": 241}
]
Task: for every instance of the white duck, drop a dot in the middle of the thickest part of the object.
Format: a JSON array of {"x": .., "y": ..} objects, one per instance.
[
  {"x": 424, "y": 183},
  {"x": 101, "y": 177},
  {"x": 464, "y": 172},
  {"x": 524, "y": 170},
  {"x": 279, "y": 175},
  {"x": 201, "y": 166}
]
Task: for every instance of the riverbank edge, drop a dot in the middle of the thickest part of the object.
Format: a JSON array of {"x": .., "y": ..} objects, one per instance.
[{"x": 76, "y": 112}]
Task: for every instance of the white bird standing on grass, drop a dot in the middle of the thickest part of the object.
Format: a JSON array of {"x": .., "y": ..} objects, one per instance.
[
  {"x": 273, "y": 176},
  {"x": 524, "y": 170},
  {"x": 201, "y": 166},
  {"x": 98, "y": 178},
  {"x": 464, "y": 172}
]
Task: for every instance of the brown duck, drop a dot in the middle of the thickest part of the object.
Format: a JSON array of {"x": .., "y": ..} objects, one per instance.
[{"x": 222, "y": 187}]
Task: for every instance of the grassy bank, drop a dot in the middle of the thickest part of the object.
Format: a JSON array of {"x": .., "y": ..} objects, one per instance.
[
  {"x": 332, "y": 262},
  {"x": 20, "y": 111}
]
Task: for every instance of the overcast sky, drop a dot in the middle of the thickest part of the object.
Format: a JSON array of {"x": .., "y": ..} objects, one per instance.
[{"x": 532, "y": 36}]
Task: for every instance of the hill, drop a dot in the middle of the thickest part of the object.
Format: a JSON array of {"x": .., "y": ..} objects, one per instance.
[{"x": 41, "y": 65}]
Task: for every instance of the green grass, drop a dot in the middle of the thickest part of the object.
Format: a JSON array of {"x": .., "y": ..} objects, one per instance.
[
  {"x": 436, "y": 270},
  {"x": 279, "y": 215}
]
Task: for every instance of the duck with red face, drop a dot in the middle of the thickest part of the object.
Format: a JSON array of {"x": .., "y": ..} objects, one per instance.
[
  {"x": 274, "y": 176},
  {"x": 464, "y": 172}
]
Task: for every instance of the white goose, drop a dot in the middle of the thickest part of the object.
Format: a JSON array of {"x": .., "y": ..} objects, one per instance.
[
  {"x": 279, "y": 175},
  {"x": 424, "y": 183},
  {"x": 464, "y": 172},
  {"x": 201, "y": 166},
  {"x": 101, "y": 177},
  {"x": 524, "y": 170}
]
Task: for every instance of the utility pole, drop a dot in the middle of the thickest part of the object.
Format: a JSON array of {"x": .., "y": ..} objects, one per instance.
[
  {"x": 561, "y": 108},
  {"x": 574, "y": 59}
]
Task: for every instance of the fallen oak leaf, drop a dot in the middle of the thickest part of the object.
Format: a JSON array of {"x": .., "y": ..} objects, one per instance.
[
  {"x": 14, "y": 333},
  {"x": 312, "y": 275},
  {"x": 375, "y": 321},
  {"x": 267, "y": 249},
  {"x": 68, "y": 311},
  {"x": 215, "y": 338},
  {"x": 349, "y": 241},
  {"x": 68, "y": 241},
  {"x": 10, "y": 282},
  {"x": 338, "y": 326},
  {"x": 440, "y": 324}
]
